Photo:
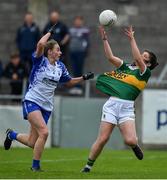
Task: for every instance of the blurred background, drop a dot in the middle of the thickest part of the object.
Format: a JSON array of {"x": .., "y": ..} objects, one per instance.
[{"x": 77, "y": 112}]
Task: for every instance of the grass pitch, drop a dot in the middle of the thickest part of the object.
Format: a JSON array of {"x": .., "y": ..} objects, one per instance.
[{"x": 61, "y": 163}]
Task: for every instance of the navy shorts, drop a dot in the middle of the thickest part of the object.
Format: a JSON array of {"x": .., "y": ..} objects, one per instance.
[{"x": 29, "y": 106}]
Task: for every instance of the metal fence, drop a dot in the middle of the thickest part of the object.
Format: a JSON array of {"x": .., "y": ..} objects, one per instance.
[{"x": 154, "y": 82}]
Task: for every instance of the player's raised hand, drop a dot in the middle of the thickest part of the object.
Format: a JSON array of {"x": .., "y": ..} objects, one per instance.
[
  {"x": 52, "y": 29},
  {"x": 103, "y": 33},
  {"x": 129, "y": 32}
]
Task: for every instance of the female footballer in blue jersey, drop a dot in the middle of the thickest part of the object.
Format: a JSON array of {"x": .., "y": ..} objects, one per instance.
[{"x": 47, "y": 72}]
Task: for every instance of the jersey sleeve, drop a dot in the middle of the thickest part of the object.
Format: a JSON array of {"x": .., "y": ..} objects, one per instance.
[
  {"x": 36, "y": 60},
  {"x": 65, "y": 77},
  {"x": 146, "y": 75},
  {"x": 123, "y": 66}
]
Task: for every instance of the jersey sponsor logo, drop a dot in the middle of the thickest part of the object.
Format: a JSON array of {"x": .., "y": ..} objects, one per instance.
[
  {"x": 117, "y": 75},
  {"x": 49, "y": 81}
]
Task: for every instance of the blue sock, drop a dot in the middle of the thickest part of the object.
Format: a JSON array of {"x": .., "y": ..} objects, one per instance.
[
  {"x": 12, "y": 135},
  {"x": 36, "y": 163}
]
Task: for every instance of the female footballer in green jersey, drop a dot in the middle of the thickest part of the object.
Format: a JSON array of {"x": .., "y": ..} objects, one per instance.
[{"x": 123, "y": 85}]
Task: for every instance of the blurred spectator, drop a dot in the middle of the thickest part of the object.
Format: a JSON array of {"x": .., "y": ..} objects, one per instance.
[
  {"x": 61, "y": 34},
  {"x": 16, "y": 72},
  {"x": 78, "y": 47},
  {"x": 27, "y": 37}
]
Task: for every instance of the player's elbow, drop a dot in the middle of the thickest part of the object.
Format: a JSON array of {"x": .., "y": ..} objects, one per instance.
[
  {"x": 41, "y": 44},
  {"x": 69, "y": 83}
]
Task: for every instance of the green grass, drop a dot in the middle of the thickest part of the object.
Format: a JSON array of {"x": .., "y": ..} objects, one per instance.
[{"x": 61, "y": 163}]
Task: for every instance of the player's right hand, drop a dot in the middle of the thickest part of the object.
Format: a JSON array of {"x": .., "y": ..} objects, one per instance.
[{"x": 129, "y": 32}]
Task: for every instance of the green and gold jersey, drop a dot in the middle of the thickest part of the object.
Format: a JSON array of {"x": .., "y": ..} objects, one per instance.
[{"x": 126, "y": 82}]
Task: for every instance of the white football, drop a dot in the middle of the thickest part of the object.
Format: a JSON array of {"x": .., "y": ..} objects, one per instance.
[{"x": 107, "y": 17}]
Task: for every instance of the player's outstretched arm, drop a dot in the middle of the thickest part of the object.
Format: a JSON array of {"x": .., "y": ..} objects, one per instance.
[
  {"x": 87, "y": 76},
  {"x": 135, "y": 50},
  {"x": 42, "y": 42},
  {"x": 116, "y": 61}
]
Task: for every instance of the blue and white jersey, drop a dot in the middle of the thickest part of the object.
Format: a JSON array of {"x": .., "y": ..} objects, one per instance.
[{"x": 43, "y": 81}]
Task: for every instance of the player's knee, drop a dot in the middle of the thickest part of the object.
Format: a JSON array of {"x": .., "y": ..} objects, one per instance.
[
  {"x": 31, "y": 144},
  {"x": 131, "y": 141},
  {"x": 44, "y": 133}
]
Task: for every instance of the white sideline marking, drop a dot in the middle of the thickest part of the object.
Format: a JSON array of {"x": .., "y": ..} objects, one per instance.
[
  {"x": 65, "y": 160},
  {"x": 46, "y": 160}
]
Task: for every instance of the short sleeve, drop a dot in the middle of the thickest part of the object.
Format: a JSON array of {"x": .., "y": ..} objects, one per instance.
[
  {"x": 65, "y": 77},
  {"x": 35, "y": 59},
  {"x": 146, "y": 75},
  {"x": 123, "y": 66}
]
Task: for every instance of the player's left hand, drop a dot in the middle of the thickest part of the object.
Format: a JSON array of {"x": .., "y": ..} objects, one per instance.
[
  {"x": 87, "y": 76},
  {"x": 52, "y": 29},
  {"x": 103, "y": 33},
  {"x": 129, "y": 32}
]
